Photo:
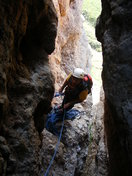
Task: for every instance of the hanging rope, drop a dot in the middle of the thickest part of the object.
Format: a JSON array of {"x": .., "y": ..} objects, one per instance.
[
  {"x": 56, "y": 148},
  {"x": 59, "y": 138}
]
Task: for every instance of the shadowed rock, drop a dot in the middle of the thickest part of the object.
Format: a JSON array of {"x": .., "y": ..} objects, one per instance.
[
  {"x": 27, "y": 35},
  {"x": 114, "y": 30}
]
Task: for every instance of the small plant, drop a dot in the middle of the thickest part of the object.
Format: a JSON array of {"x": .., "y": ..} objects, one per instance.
[{"x": 90, "y": 133}]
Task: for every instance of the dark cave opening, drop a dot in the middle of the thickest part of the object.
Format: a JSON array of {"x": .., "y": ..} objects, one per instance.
[{"x": 40, "y": 113}]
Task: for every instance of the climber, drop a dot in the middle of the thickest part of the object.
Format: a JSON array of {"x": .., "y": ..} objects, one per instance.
[{"x": 77, "y": 86}]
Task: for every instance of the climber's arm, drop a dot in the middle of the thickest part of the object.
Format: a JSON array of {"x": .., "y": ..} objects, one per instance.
[{"x": 64, "y": 84}]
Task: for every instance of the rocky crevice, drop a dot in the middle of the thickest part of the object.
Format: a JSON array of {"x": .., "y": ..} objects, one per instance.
[{"x": 27, "y": 38}]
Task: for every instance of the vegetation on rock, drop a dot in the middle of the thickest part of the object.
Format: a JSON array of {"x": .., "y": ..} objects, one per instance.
[{"x": 91, "y": 10}]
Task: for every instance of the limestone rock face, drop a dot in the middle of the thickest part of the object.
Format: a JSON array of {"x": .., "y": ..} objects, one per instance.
[
  {"x": 72, "y": 47},
  {"x": 27, "y": 35},
  {"x": 114, "y": 30}
]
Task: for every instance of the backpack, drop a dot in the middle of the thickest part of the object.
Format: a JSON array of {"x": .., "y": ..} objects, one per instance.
[{"x": 87, "y": 82}]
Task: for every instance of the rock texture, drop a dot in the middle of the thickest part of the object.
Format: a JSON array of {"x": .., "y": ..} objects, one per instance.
[
  {"x": 82, "y": 150},
  {"x": 114, "y": 30},
  {"x": 72, "y": 47},
  {"x": 97, "y": 159},
  {"x": 27, "y": 35},
  {"x": 73, "y": 149}
]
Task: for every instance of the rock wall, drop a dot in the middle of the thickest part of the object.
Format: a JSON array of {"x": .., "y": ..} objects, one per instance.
[
  {"x": 73, "y": 149},
  {"x": 97, "y": 159},
  {"x": 27, "y": 35},
  {"x": 72, "y": 47},
  {"x": 114, "y": 31}
]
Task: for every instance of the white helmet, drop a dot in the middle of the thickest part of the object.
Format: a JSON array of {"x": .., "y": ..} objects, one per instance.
[{"x": 78, "y": 73}]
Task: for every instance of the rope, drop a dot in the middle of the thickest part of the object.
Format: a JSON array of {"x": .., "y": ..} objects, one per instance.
[{"x": 57, "y": 145}]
